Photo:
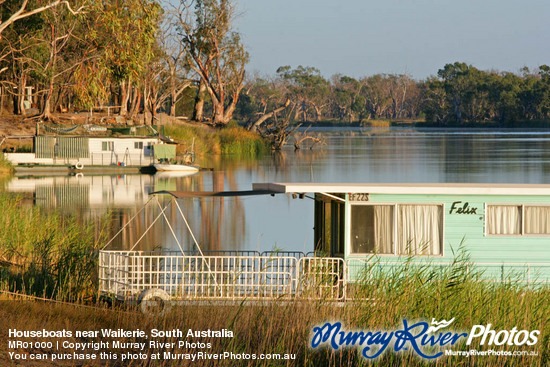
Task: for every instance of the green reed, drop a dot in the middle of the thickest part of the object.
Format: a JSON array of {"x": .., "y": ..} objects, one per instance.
[
  {"x": 233, "y": 140},
  {"x": 6, "y": 167},
  {"x": 382, "y": 298},
  {"x": 45, "y": 254}
]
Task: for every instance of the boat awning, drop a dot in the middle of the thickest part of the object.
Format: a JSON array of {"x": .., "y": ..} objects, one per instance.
[
  {"x": 405, "y": 188},
  {"x": 164, "y": 151},
  {"x": 202, "y": 194}
]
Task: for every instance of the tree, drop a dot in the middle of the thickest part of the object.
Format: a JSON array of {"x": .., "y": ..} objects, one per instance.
[
  {"x": 175, "y": 70},
  {"x": 216, "y": 53},
  {"x": 122, "y": 34},
  {"x": 309, "y": 87},
  {"x": 24, "y": 12},
  {"x": 455, "y": 80},
  {"x": 21, "y": 47},
  {"x": 58, "y": 33},
  {"x": 377, "y": 95},
  {"x": 434, "y": 99}
]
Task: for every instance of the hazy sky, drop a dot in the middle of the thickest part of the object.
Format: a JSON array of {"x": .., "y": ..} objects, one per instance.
[{"x": 417, "y": 37}]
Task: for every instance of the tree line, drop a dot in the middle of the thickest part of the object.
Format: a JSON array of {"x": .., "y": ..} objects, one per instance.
[
  {"x": 133, "y": 54},
  {"x": 186, "y": 59},
  {"x": 459, "y": 93}
]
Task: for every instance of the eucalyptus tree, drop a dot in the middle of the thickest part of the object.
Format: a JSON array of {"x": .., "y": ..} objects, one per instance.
[
  {"x": 20, "y": 44},
  {"x": 23, "y": 29},
  {"x": 457, "y": 83},
  {"x": 309, "y": 87},
  {"x": 347, "y": 98},
  {"x": 58, "y": 59},
  {"x": 377, "y": 95},
  {"x": 215, "y": 52},
  {"x": 173, "y": 72},
  {"x": 434, "y": 101},
  {"x": 21, "y": 10},
  {"x": 121, "y": 36}
]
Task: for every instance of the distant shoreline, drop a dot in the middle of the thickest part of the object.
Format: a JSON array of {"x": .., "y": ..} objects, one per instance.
[{"x": 516, "y": 125}]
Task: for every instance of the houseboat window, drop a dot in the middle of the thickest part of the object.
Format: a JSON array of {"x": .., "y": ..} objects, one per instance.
[
  {"x": 372, "y": 229},
  {"x": 138, "y": 145},
  {"x": 108, "y": 146},
  {"x": 537, "y": 219},
  {"x": 503, "y": 219},
  {"x": 419, "y": 229}
]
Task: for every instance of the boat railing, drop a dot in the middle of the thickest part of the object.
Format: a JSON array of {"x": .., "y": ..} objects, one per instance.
[
  {"x": 277, "y": 253},
  {"x": 110, "y": 157},
  {"x": 189, "y": 253},
  {"x": 127, "y": 275}
]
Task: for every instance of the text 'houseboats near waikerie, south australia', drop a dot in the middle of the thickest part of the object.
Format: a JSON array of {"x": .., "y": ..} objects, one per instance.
[{"x": 505, "y": 229}]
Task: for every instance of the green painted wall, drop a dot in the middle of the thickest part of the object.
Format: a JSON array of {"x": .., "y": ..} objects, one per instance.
[{"x": 471, "y": 229}]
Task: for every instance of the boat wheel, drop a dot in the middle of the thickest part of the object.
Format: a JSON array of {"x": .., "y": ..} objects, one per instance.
[{"x": 155, "y": 301}]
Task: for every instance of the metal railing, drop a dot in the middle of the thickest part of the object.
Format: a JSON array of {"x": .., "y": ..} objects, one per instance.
[
  {"x": 322, "y": 277},
  {"x": 240, "y": 275},
  {"x": 112, "y": 158},
  {"x": 128, "y": 274}
]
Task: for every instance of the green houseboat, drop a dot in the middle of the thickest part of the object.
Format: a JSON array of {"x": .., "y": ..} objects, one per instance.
[{"x": 505, "y": 228}]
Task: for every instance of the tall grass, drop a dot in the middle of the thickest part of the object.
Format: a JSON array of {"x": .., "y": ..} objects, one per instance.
[
  {"x": 377, "y": 123},
  {"x": 382, "y": 300},
  {"x": 44, "y": 254},
  {"x": 229, "y": 140},
  {"x": 6, "y": 167}
]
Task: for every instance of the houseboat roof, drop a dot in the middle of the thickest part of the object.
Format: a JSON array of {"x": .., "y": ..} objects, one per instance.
[
  {"x": 405, "y": 188},
  {"x": 99, "y": 131}
]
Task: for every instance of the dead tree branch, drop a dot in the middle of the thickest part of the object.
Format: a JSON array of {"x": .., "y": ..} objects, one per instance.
[{"x": 255, "y": 126}]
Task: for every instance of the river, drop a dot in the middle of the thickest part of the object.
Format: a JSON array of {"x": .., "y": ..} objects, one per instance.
[{"x": 264, "y": 223}]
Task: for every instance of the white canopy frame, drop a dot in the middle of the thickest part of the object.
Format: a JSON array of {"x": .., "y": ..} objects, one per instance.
[{"x": 155, "y": 198}]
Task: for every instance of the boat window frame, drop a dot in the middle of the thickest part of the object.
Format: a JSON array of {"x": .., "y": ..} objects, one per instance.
[
  {"x": 110, "y": 144},
  {"x": 394, "y": 244},
  {"x": 522, "y": 219}
]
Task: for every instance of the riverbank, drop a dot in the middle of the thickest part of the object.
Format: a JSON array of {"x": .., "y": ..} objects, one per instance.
[
  {"x": 424, "y": 124},
  {"x": 48, "y": 256},
  {"x": 382, "y": 302},
  {"x": 233, "y": 139}
]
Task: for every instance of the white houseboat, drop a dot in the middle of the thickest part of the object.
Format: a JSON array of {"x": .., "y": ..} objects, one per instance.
[{"x": 89, "y": 146}]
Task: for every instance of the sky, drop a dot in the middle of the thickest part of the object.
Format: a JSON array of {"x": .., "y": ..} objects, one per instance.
[{"x": 415, "y": 37}]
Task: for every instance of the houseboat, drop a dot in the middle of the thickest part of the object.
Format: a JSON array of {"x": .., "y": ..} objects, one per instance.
[
  {"x": 87, "y": 146},
  {"x": 504, "y": 228}
]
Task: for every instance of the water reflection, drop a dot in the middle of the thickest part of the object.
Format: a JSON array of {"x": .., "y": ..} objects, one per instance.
[{"x": 264, "y": 223}]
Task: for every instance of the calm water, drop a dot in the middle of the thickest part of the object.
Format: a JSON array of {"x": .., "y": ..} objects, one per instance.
[{"x": 280, "y": 222}]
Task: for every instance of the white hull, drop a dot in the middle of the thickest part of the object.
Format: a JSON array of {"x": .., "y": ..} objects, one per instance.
[
  {"x": 174, "y": 174},
  {"x": 162, "y": 167}
]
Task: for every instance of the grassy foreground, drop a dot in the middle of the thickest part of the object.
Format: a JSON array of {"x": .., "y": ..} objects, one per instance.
[
  {"x": 285, "y": 328},
  {"x": 54, "y": 257}
]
